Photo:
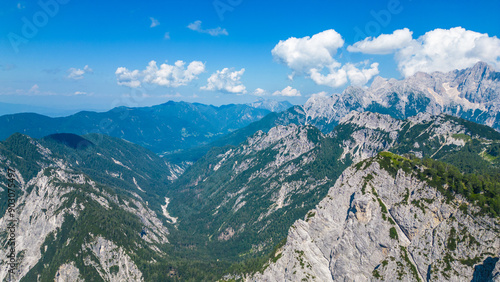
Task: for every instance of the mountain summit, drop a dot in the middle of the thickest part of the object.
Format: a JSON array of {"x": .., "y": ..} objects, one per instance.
[{"x": 472, "y": 93}]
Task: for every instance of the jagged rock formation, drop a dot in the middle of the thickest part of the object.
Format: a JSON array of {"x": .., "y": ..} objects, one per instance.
[
  {"x": 473, "y": 94},
  {"x": 96, "y": 207},
  {"x": 71, "y": 227},
  {"x": 68, "y": 272},
  {"x": 375, "y": 225},
  {"x": 114, "y": 264},
  {"x": 247, "y": 193},
  {"x": 238, "y": 194},
  {"x": 365, "y": 134}
]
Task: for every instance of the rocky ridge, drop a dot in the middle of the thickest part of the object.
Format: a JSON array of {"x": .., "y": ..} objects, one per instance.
[
  {"x": 237, "y": 193},
  {"x": 473, "y": 94},
  {"x": 55, "y": 200},
  {"x": 374, "y": 225}
]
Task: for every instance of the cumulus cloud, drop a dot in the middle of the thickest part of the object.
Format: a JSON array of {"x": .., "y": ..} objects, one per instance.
[
  {"x": 448, "y": 49},
  {"x": 288, "y": 92},
  {"x": 226, "y": 80},
  {"x": 314, "y": 57},
  {"x": 338, "y": 76},
  {"x": 76, "y": 74},
  {"x": 383, "y": 44},
  {"x": 259, "y": 92},
  {"x": 302, "y": 54},
  {"x": 361, "y": 76},
  {"x": 128, "y": 78},
  {"x": 165, "y": 75},
  {"x": 154, "y": 22},
  {"x": 437, "y": 50},
  {"x": 196, "y": 26}
]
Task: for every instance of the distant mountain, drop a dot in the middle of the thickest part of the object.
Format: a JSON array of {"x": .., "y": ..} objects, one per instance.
[
  {"x": 163, "y": 128},
  {"x": 472, "y": 94},
  {"x": 8, "y": 109},
  {"x": 271, "y": 105}
]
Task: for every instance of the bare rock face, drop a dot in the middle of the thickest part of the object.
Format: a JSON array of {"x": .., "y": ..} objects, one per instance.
[
  {"x": 56, "y": 197},
  {"x": 68, "y": 272},
  {"x": 371, "y": 133},
  {"x": 473, "y": 94},
  {"x": 375, "y": 226},
  {"x": 41, "y": 213},
  {"x": 114, "y": 263}
]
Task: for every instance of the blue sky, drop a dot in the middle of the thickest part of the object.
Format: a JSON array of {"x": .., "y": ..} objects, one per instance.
[{"x": 87, "y": 55}]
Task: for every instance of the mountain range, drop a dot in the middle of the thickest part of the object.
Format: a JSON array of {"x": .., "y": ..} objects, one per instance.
[
  {"x": 93, "y": 199},
  {"x": 164, "y": 128},
  {"x": 321, "y": 192},
  {"x": 472, "y": 94}
]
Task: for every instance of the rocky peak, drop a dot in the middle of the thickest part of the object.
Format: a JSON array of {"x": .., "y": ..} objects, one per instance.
[
  {"x": 379, "y": 225},
  {"x": 458, "y": 93},
  {"x": 379, "y": 82},
  {"x": 479, "y": 71}
]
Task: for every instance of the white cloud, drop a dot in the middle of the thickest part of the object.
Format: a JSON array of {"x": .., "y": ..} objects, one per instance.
[
  {"x": 166, "y": 75},
  {"x": 302, "y": 54},
  {"x": 448, "y": 49},
  {"x": 128, "y": 78},
  {"x": 288, "y": 91},
  {"x": 77, "y": 74},
  {"x": 34, "y": 89},
  {"x": 196, "y": 26},
  {"x": 313, "y": 56},
  {"x": 154, "y": 22},
  {"x": 359, "y": 77},
  {"x": 172, "y": 75},
  {"x": 167, "y": 35},
  {"x": 437, "y": 50},
  {"x": 338, "y": 76},
  {"x": 20, "y": 6},
  {"x": 226, "y": 80},
  {"x": 80, "y": 93},
  {"x": 383, "y": 44},
  {"x": 259, "y": 92}
]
